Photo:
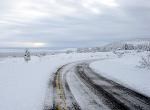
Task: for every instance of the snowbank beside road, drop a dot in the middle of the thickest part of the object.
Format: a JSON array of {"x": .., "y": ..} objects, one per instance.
[{"x": 125, "y": 71}]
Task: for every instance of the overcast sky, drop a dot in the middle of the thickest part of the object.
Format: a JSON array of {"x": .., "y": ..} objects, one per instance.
[{"x": 72, "y": 23}]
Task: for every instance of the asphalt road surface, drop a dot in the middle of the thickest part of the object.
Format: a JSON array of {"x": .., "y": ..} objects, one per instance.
[{"x": 77, "y": 87}]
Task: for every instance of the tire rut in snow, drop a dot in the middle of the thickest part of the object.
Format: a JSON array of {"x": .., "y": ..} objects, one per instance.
[
  {"x": 60, "y": 99},
  {"x": 73, "y": 105},
  {"x": 117, "y": 97},
  {"x": 106, "y": 98}
]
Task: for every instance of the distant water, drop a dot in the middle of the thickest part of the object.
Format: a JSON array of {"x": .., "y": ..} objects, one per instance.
[{"x": 31, "y": 49}]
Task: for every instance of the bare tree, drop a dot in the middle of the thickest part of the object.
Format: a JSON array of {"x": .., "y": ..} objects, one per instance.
[
  {"x": 148, "y": 47},
  {"x": 145, "y": 62}
]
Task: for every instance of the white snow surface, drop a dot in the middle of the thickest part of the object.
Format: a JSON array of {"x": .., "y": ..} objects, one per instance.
[
  {"x": 125, "y": 71},
  {"x": 23, "y": 85}
]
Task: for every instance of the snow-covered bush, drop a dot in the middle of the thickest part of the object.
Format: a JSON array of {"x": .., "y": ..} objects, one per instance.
[
  {"x": 118, "y": 53},
  {"x": 145, "y": 62},
  {"x": 27, "y": 56}
]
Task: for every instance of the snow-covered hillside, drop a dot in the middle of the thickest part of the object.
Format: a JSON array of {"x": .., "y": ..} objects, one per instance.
[{"x": 136, "y": 44}]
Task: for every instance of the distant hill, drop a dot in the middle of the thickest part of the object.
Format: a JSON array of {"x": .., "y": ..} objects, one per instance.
[{"x": 135, "y": 44}]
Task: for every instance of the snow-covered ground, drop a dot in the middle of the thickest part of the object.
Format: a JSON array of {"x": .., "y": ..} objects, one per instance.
[
  {"x": 23, "y": 85},
  {"x": 125, "y": 71}
]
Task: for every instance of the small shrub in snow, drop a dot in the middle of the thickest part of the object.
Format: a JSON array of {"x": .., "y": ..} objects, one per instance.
[
  {"x": 145, "y": 62},
  {"x": 27, "y": 56},
  {"x": 119, "y": 54}
]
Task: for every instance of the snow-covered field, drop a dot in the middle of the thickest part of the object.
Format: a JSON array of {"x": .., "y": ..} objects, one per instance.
[
  {"x": 125, "y": 71},
  {"x": 23, "y": 85}
]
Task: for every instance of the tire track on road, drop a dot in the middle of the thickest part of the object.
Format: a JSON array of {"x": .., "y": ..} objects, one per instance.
[
  {"x": 116, "y": 96},
  {"x": 62, "y": 94},
  {"x": 59, "y": 102}
]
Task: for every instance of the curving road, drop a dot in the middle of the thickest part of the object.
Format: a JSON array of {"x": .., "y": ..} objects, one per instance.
[{"x": 77, "y": 87}]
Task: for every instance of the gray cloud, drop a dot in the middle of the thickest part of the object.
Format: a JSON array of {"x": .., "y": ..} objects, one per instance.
[{"x": 70, "y": 23}]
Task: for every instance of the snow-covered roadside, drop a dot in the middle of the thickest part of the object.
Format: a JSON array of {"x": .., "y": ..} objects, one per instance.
[
  {"x": 125, "y": 71},
  {"x": 23, "y": 85}
]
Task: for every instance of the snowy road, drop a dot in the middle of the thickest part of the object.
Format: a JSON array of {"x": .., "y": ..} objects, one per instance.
[{"x": 77, "y": 87}]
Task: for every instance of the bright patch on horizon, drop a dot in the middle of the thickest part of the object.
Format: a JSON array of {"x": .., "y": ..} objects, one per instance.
[
  {"x": 38, "y": 44},
  {"x": 23, "y": 44},
  {"x": 32, "y": 44}
]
